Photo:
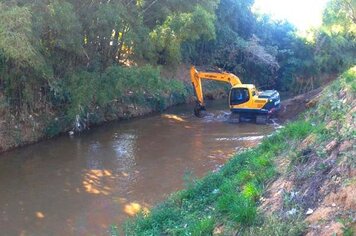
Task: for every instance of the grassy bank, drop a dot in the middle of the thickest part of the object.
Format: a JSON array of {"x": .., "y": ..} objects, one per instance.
[{"x": 230, "y": 200}]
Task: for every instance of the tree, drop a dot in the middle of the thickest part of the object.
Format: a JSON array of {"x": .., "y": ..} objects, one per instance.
[
  {"x": 181, "y": 28},
  {"x": 336, "y": 39},
  {"x": 20, "y": 53}
]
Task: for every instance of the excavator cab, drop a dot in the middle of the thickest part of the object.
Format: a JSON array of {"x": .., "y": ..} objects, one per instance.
[{"x": 239, "y": 96}]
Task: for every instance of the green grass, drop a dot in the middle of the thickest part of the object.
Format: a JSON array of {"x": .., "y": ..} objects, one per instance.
[
  {"x": 231, "y": 196},
  {"x": 350, "y": 78},
  {"x": 274, "y": 225}
]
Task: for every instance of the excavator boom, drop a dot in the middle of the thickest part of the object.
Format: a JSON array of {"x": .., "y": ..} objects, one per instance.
[{"x": 196, "y": 77}]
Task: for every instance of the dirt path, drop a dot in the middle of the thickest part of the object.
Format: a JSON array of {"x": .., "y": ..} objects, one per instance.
[{"x": 292, "y": 107}]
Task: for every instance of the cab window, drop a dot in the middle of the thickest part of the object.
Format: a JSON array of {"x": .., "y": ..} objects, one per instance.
[{"x": 239, "y": 96}]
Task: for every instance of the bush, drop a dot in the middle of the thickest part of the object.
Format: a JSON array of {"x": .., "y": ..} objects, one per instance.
[
  {"x": 239, "y": 208},
  {"x": 83, "y": 92},
  {"x": 350, "y": 78}
]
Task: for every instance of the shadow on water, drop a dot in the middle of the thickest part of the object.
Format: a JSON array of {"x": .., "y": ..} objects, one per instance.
[{"x": 82, "y": 185}]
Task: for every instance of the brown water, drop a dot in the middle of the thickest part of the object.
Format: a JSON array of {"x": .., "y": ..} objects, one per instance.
[{"x": 82, "y": 185}]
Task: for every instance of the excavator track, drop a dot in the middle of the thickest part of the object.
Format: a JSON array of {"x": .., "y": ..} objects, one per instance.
[{"x": 261, "y": 119}]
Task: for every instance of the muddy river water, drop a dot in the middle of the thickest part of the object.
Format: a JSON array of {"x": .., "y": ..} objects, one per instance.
[{"x": 81, "y": 185}]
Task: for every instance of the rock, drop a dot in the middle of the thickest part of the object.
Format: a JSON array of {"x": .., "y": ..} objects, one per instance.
[
  {"x": 331, "y": 124},
  {"x": 331, "y": 146},
  {"x": 218, "y": 230},
  {"x": 309, "y": 211}
]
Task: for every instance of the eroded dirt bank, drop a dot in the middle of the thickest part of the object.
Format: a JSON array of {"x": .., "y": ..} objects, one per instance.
[
  {"x": 291, "y": 108},
  {"x": 317, "y": 181}
]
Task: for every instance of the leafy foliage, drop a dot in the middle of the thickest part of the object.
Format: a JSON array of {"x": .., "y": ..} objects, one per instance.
[
  {"x": 16, "y": 36},
  {"x": 180, "y": 28},
  {"x": 336, "y": 40},
  {"x": 69, "y": 55}
]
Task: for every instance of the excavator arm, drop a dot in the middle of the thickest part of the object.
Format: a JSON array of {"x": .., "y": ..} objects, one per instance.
[{"x": 197, "y": 76}]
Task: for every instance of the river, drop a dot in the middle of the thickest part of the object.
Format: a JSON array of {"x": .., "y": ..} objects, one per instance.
[{"x": 83, "y": 184}]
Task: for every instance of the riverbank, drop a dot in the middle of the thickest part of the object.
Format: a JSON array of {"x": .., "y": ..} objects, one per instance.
[
  {"x": 128, "y": 93},
  {"x": 297, "y": 181}
]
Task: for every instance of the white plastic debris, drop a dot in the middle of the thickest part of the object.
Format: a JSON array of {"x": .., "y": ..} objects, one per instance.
[
  {"x": 215, "y": 191},
  {"x": 309, "y": 211},
  {"x": 293, "y": 194},
  {"x": 292, "y": 212}
]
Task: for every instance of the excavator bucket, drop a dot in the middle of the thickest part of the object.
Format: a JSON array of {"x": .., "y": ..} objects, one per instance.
[{"x": 199, "y": 110}]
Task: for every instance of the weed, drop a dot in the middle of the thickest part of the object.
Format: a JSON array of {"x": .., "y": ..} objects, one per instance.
[
  {"x": 203, "y": 227},
  {"x": 350, "y": 78},
  {"x": 274, "y": 225},
  {"x": 114, "y": 231},
  {"x": 290, "y": 200},
  {"x": 188, "y": 179},
  {"x": 321, "y": 153},
  {"x": 238, "y": 208},
  {"x": 297, "y": 130},
  {"x": 302, "y": 157},
  {"x": 251, "y": 191},
  {"x": 348, "y": 231}
]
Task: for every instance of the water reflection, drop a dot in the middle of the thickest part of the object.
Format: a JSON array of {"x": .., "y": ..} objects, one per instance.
[
  {"x": 133, "y": 208},
  {"x": 174, "y": 117},
  {"x": 125, "y": 146},
  {"x": 93, "y": 162},
  {"x": 95, "y": 181},
  {"x": 82, "y": 185}
]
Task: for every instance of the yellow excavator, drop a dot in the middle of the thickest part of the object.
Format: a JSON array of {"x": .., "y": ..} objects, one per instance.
[{"x": 244, "y": 99}]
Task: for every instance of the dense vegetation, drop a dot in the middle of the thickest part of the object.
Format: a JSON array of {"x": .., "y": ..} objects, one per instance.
[
  {"x": 73, "y": 56},
  {"x": 227, "y": 201}
]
